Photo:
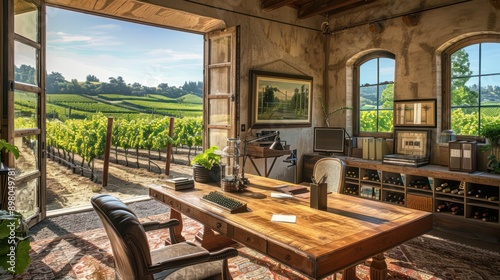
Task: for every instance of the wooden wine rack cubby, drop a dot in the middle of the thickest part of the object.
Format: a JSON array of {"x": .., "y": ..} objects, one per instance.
[{"x": 464, "y": 202}]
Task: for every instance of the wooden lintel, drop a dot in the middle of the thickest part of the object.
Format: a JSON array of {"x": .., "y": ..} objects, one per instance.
[{"x": 269, "y": 5}]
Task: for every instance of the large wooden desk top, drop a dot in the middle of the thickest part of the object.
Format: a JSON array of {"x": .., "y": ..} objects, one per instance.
[{"x": 320, "y": 242}]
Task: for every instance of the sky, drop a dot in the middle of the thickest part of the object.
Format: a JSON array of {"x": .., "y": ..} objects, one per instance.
[{"x": 79, "y": 44}]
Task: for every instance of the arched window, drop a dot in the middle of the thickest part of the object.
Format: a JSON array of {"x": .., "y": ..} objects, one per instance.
[
  {"x": 472, "y": 85},
  {"x": 375, "y": 94}
]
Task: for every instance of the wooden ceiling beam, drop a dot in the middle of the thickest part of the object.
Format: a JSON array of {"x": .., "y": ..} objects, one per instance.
[
  {"x": 322, "y": 7},
  {"x": 269, "y": 5}
]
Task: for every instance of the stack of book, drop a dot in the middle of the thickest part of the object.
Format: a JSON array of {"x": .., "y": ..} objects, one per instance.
[{"x": 180, "y": 183}]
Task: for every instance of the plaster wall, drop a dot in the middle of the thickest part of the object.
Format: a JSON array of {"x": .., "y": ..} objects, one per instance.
[{"x": 417, "y": 48}]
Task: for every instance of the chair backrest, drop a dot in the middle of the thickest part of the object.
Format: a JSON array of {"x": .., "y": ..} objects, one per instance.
[
  {"x": 126, "y": 235},
  {"x": 333, "y": 168}
]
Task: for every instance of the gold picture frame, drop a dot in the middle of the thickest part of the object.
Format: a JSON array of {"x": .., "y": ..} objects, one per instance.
[
  {"x": 417, "y": 112},
  {"x": 415, "y": 142},
  {"x": 279, "y": 100}
]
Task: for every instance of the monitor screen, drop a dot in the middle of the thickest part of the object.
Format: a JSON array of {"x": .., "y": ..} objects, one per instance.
[{"x": 329, "y": 139}]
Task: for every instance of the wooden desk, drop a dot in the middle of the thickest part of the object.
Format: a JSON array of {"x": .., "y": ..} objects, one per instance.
[{"x": 321, "y": 242}]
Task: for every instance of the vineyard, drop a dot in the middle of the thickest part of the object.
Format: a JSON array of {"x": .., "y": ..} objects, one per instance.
[
  {"x": 77, "y": 106},
  {"x": 86, "y": 138},
  {"x": 76, "y": 126}
]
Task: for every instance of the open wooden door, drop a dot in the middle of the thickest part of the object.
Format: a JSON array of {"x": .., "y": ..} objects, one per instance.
[
  {"x": 23, "y": 101},
  {"x": 221, "y": 93}
]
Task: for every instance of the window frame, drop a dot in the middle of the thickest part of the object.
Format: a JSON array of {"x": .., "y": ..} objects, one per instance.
[
  {"x": 356, "y": 101},
  {"x": 446, "y": 79}
]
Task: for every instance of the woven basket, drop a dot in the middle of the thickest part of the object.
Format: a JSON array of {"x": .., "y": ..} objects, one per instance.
[{"x": 419, "y": 202}]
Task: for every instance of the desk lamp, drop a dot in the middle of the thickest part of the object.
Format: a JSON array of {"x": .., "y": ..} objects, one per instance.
[{"x": 275, "y": 146}]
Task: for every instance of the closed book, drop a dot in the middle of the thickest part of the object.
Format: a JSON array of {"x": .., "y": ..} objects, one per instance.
[
  {"x": 468, "y": 156},
  {"x": 179, "y": 183},
  {"x": 365, "y": 147},
  {"x": 455, "y": 148},
  {"x": 381, "y": 148},
  {"x": 371, "y": 149}
]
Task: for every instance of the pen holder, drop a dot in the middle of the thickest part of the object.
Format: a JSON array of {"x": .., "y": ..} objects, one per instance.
[{"x": 318, "y": 196}]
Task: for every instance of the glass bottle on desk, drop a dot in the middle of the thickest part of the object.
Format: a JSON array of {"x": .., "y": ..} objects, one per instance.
[{"x": 230, "y": 155}]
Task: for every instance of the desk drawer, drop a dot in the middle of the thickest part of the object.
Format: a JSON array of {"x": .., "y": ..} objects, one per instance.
[
  {"x": 192, "y": 213},
  {"x": 215, "y": 224},
  {"x": 165, "y": 199},
  {"x": 288, "y": 257},
  {"x": 250, "y": 239}
]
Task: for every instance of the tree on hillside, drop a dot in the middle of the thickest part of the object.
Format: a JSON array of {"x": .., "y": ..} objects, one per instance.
[
  {"x": 55, "y": 81},
  {"x": 460, "y": 73},
  {"x": 91, "y": 78},
  {"x": 465, "y": 121},
  {"x": 25, "y": 74},
  {"x": 387, "y": 100},
  {"x": 193, "y": 87}
]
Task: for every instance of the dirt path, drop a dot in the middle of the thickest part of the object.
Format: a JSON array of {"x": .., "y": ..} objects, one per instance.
[{"x": 68, "y": 189}]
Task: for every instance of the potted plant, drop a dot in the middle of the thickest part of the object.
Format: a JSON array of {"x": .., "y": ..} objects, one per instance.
[
  {"x": 492, "y": 132},
  {"x": 14, "y": 239},
  {"x": 206, "y": 166}
]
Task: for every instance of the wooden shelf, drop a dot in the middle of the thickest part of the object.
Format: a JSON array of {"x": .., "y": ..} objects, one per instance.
[{"x": 424, "y": 199}]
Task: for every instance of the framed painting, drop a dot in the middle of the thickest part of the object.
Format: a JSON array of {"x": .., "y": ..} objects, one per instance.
[
  {"x": 418, "y": 112},
  {"x": 278, "y": 100},
  {"x": 413, "y": 142}
]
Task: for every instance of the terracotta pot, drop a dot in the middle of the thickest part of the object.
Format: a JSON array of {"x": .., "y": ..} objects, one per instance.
[{"x": 203, "y": 175}]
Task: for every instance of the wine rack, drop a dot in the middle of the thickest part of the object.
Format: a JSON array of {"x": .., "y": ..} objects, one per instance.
[
  {"x": 394, "y": 197},
  {"x": 428, "y": 188},
  {"x": 351, "y": 189}
]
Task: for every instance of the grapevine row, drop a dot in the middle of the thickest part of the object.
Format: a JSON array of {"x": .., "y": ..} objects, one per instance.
[{"x": 87, "y": 137}]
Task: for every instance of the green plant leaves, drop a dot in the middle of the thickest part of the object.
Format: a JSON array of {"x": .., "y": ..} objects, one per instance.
[{"x": 208, "y": 158}]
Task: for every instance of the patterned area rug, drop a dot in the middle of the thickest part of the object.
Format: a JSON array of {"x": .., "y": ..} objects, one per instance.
[{"x": 88, "y": 255}]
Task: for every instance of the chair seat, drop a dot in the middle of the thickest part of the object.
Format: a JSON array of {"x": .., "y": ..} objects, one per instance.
[{"x": 198, "y": 271}]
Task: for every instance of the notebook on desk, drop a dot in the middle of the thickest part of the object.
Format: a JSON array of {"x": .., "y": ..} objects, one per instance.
[{"x": 297, "y": 190}]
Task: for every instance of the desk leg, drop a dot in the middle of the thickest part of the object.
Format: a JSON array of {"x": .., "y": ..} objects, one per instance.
[
  {"x": 349, "y": 273},
  {"x": 178, "y": 229},
  {"x": 211, "y": 240},
  {"x": 378, "y": 268}
]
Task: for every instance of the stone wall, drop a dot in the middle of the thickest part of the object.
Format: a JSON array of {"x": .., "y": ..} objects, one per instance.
[{"x": 417, "y": 40}]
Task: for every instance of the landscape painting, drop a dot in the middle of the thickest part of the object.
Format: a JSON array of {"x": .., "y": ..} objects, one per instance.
[{"x": 280, "y": 99}]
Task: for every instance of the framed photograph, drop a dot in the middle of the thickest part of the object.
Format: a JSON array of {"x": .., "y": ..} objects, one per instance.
[
  {"x": 412, "y": 142},
  {"x": 278, "y": 100},
  {"x": 419, "y": 112}
]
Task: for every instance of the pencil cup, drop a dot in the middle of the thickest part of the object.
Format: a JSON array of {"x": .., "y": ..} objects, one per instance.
[{"x": 318, "y": 196}]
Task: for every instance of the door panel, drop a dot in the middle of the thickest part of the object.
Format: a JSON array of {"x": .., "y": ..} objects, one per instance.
[
  {"x": 221, "y": 96},
  {"x": 25, "y": 104}
]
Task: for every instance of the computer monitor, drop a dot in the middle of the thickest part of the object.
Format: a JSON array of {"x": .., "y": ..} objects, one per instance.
[{"x": 329, "y": 140}]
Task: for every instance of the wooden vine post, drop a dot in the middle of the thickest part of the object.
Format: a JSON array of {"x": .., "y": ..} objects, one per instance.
[
  {"x": 107, "y": 150},
  {"x": 169, "y": 147}
]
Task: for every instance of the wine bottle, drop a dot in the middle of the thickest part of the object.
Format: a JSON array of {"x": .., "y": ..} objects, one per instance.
[
  {"x": 490, "y": 219},
  {"x": 479, "y": 193}
]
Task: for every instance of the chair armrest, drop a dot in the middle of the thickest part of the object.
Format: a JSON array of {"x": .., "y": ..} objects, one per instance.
[
  {"x": 170, "y": 224},
  {"x": 157, "y": 225},
  {"x": 178, "y": 262},
  {"x": 225, "y": 253}
]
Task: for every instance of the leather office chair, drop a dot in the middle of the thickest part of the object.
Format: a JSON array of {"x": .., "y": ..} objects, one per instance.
[
  {"x": 334, "y": 169},
  {"x": 134, "y": 259}
]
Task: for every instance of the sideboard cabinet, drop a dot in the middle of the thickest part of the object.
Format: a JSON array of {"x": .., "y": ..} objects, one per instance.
[{"x": 467, "y": 203}]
